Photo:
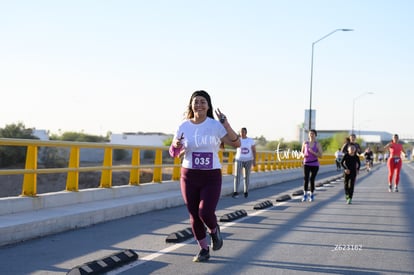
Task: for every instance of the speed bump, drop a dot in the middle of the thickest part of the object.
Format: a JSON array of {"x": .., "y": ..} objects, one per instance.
[
  {"x": 105, "y": 264},
  {"x": 283, "y": 198},
  {"x": 338, "y": 180},
  {"x": 233, "y": 216},
  {"x": 263, "y": 205},
  {"x": 320, "y": 184},
  {"x": 298, "y": 192},
  {"x": 180, "y": 236}
]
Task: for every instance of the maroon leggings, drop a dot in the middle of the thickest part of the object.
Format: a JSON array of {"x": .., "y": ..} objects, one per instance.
[
  {"x": 394, "y": 165},
  {"x": 201, "y": 192}
]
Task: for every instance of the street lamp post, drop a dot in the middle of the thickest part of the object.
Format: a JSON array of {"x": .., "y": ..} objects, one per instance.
[
  {"x": 311, "y": 76},
  {"x": 353, "y": 108}
]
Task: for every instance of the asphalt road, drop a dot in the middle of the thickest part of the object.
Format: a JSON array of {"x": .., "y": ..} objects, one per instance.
[{"x": 374, "y": 235}]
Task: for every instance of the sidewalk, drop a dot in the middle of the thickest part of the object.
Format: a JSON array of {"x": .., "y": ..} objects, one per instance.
[{"x": 27, "y": 218}]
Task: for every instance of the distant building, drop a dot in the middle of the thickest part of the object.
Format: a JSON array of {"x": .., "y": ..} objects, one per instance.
[
  {"x": 141, "y": 139},
  {"x": 41, "y": 134},
  {"x": 367, "y": 136}
]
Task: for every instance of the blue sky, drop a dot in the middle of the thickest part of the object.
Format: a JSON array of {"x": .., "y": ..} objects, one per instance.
[{"x": 129, "y": 66}]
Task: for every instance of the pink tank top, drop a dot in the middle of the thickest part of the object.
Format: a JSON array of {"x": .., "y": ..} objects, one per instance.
[
  {"x": 395, "y": 150},
  {"x": 310, "y": 159}
]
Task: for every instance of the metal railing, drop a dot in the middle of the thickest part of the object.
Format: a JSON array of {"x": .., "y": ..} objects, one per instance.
[{"x": 265, "y": 161}]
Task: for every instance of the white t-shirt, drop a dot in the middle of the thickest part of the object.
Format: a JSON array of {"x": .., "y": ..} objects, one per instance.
[
  {"x": 201, "y": 143},
  {"x": 245, "y": 152},
  {"x": 339, "y": 155}
]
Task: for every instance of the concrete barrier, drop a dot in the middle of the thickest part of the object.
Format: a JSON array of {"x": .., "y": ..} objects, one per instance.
[{"x": 24, "y": 218}]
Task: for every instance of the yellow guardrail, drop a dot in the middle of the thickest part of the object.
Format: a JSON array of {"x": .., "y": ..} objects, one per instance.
[{"x": 265, "y": 161}]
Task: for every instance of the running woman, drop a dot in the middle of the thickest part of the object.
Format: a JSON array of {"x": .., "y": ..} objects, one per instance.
[
  {"x": 198, "y": 140},
  {"x": 394, "y": 162},
  {"x": 311, "y": 150},
  {"x": 245, "y": 159},
  {"x": 351, "y": 164}
]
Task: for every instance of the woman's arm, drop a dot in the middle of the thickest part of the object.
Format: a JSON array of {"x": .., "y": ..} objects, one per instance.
[
  {"x": 231, "y": 138},
  {"x": 402, "y": 150},
  {"x": 254, "y": 154},
  {"x": 319, "y": 153},
  {"x": 343, "y": 162},
  {"x": 387, "y": 145},
  {"x": 175, "y": 149}
]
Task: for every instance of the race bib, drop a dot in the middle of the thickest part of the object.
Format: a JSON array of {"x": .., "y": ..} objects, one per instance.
[
  {"x": 202, "y": 160},
  {"x": 245, "y": 150}
]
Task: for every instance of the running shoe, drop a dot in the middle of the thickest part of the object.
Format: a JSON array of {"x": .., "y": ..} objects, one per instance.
[
  {"x": 390, "y": 188},
  {"x": 396, "y": 189},
  {"x": 246, "y": 194},
  {"x": 235, "y": 195},
  {"x": 216, "y": 239},
  {"x": 305, "y": 197},
  {"x": 311, "y": 197},
  {"x": 202, "y": 256}
]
